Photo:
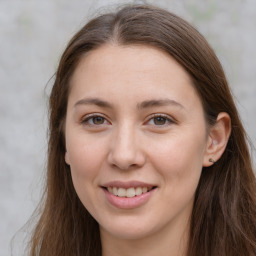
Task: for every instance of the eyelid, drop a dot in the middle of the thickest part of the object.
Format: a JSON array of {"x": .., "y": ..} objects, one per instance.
[
  {"x": 85, "y": 118},
  {"x": 167, "y": 117}
]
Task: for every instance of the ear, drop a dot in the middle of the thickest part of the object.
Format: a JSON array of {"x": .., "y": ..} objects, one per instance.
[
  {"x": 67, "y": 158},
  {"x": 217, "y": 139}
]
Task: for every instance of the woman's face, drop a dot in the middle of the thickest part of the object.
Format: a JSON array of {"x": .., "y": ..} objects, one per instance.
[{"x": 136, "y": 140}]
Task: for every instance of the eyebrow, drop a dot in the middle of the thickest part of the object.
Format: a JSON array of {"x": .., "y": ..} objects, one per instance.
[
  {"x": 158, "y": 103},
  {"x": 143, "y": 105},
  {"x": 94, "y": 101}
]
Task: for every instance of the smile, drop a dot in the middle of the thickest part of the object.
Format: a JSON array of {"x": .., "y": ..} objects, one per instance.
[{"x": 129, "y": 192}]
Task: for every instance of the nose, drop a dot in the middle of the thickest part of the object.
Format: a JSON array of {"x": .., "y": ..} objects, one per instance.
[{"x": 125, "y": 150}]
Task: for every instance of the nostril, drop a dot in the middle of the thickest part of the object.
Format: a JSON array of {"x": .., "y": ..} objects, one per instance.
[
  {"x": 124, "y": 167},
  {"x": 124, "y": 156}
]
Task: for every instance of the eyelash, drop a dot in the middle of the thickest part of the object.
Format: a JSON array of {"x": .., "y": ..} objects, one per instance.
[
  {"x": 167, "y": 120},
  {"x": 89, "y": 117}
]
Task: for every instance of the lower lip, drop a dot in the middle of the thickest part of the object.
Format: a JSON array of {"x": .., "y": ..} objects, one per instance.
[{"x": 128, "y": 202}]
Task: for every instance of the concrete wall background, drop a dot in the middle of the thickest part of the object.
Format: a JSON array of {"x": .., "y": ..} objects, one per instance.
[{"x": 34, "y": 33}]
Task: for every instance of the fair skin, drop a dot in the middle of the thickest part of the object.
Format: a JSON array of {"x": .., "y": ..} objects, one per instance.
[{"x": 135, "y": 124}]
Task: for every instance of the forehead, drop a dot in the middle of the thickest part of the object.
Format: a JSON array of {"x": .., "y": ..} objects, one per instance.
[
  {"x": 131, "y": 71},
  {"x": 135, "y": 58}
]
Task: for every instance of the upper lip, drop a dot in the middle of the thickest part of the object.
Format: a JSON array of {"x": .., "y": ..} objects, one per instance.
[{"x": 127, "y": 184}]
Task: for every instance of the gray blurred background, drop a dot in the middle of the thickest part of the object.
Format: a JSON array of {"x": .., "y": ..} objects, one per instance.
[{"x": 33, "y": 35}]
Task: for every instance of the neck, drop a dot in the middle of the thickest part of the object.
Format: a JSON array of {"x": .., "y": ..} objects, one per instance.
[{"x": 164, "y": 243}]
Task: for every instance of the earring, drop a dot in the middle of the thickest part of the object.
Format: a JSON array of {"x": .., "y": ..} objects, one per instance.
[{"x": 212, "y": 161}]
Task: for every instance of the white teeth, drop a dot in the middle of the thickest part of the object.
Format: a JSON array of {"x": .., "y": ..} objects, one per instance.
[
  {"x": 130, "y": 192},
  {"x": 121, "y": 192},
  {"x": 114, "y": 191},
  {"x": 138, "y": 191}
]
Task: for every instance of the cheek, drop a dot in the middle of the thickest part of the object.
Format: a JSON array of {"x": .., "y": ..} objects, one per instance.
[
  {"x": 85, "y": 161},
  {"x": 180, "y": 169},
  {"x": 84, "y": 154},
  {"x": 179, "y": 160},
  {"x": 85, "y": 164}
]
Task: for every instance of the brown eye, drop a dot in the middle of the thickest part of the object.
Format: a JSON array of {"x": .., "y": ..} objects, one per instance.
[
  {"x": 98, "y": 120},
  {"x": 94, "y": 120},
  {"x": 159, "y": 120}
]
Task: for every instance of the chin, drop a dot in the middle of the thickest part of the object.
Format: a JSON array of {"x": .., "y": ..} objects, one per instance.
[
  {"x": 129, "y": 234},
  {"x": 128, "y": 231}
]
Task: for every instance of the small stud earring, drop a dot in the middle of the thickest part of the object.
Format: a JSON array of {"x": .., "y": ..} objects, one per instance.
[
  {"x": 212, "y": 161},
  {"x": 214, "y": 142}
]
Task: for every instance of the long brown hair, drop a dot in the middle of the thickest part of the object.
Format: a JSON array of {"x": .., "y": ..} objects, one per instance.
[{"x": 223, "y": 221}]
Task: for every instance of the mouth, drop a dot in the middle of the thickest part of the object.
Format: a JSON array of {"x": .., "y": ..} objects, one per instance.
[
  {"x": 128, "y": 195},
  {"x": 128, "y": 192}
]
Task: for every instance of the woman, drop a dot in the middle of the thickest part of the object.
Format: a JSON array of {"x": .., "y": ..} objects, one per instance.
[{"x": 147, "y": 153}]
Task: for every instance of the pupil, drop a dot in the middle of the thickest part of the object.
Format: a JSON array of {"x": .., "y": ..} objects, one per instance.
[
  {"x": 159, "y": 120},
  {"x": 98, "y": 120}
]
